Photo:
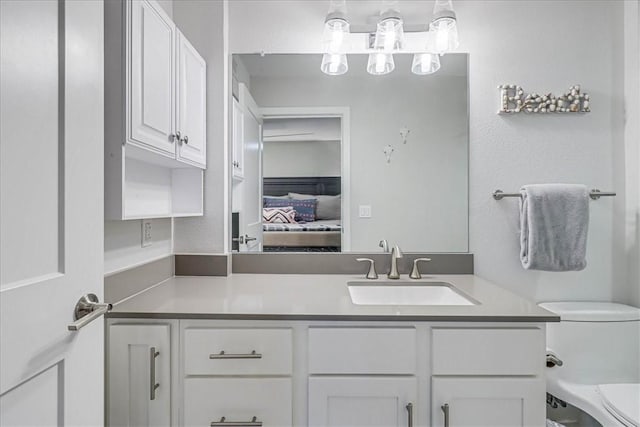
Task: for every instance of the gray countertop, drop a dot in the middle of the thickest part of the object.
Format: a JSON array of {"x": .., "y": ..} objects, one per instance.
[{"x": 315, "y": 297}]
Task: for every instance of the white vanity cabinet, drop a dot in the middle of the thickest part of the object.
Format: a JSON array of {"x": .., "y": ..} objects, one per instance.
[
  {"x": 139, "y": 375},
  {"x": 346, "y": 373},
  {"x": 237, "y": 376},
  {"x": 487, "y": 376},
  {"x": 155, "y": 115}
]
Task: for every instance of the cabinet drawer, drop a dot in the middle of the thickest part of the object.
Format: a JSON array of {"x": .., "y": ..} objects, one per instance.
[
  {"x": 237, "y": 351},
  {"x": 488, "y": 351},
  {"x": 362, "y": 350},
  {"x": 207, "y": 400}
]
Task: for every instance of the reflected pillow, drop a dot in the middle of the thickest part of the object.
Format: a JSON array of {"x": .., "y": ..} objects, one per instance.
[
  {"x": 328, "y": 207},
  {"x": 305, "y": 208},
  {"x": 264, "y": 198},
  {"x": 283, "y": 215}
]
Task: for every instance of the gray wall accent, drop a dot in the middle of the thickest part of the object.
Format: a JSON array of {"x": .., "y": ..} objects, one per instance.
[
  {"x": 121, "y": 285},
  {"x": 202, "y": 265},
  {"x": 345, "y": 263}
]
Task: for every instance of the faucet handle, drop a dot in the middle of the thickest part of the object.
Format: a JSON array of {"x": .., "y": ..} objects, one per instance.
[
  {"x": 415, "y": 271},
  {"x": 371, "y": 274}
]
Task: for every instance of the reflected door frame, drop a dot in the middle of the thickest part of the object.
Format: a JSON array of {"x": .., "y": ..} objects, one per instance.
[{"x": 344, "y": 114}]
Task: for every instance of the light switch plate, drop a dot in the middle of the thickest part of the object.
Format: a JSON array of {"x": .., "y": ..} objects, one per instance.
[
  {"x": 147, "y": 237},
  {"x": 365, "y": 211}
]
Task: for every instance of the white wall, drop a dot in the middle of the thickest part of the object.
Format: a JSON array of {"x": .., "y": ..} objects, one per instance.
[
  {"x": 204, "y": 24},
  {"x": 432, "y": 166},
  {"x": 122, "y": 239},
  {"x": 293, "y": 159},
  {"x": 543, "y": 46}
]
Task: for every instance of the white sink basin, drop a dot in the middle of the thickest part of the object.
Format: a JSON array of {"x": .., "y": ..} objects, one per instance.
[{"x": 406, "y": 293}]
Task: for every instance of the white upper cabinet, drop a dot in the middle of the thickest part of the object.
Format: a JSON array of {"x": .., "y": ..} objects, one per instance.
[
  {"x": 155, "y": 115},
  {"x": 192, "y": 104},
  {"x": 151, "y": 89}
]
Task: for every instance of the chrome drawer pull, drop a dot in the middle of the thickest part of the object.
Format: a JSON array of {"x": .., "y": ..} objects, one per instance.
[
  {"x": 223, "y": 422},
  {"x": 153, "y": 385},
  {"x": 410, "y": 414},
  {"x": 223, "y": 355}
]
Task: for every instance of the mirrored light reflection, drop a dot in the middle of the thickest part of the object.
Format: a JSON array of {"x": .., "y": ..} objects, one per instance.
[
  {"x": 425, "y": 63},
  {"x": 334, "y": 64},
  {"x": 380, "y": 63}
]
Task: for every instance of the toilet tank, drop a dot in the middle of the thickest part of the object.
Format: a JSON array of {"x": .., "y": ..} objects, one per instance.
[{"x": 598, "y": 342}]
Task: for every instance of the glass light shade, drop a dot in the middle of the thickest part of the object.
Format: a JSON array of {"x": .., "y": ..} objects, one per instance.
[
  {"x": 425, "y": 63},
  {"x": 389, "y": 34},
  {"x": 335, "y": 30},
  {"x": 445, "y": 36},
  {"x": 334, "y": 64},
  {"x": 444, "y": 28},
  {"x": 380, "y": 63}
]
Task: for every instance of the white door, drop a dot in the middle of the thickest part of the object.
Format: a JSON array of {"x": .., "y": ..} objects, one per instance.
[
  {"x": 139, "y": 375},
  {"x": 488, "y": 402},
  {"x": 237, "y": 158},
  {"x": 151, "y": 90},
  {"x": 362, "y": 401},
  {"x": 192, "y": 104},
  {"x": 251, "y": 214},
  {"x": 51, "y": 219}
]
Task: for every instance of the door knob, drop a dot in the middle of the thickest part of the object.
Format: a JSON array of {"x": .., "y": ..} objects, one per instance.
[{"x": 86, "y": 311}]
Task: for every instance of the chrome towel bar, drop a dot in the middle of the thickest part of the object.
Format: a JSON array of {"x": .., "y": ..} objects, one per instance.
[{"x": 595, "y": 194}]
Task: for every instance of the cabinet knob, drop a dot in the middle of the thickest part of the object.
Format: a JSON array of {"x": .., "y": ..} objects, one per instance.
[
  {"x": 185, "y": 139},
  {"x": 174, "y": 137}
]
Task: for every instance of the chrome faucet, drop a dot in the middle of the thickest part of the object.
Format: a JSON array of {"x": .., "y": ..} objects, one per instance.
[
  {"x": 384, "y": 245},
  {"x": 395, "y": 254}
]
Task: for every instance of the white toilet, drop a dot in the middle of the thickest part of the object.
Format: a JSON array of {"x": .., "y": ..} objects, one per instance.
[{"x": 597, "y": 345}]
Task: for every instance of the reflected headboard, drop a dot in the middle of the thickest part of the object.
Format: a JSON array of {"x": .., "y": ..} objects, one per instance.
[{"x": 316, "y": 185}]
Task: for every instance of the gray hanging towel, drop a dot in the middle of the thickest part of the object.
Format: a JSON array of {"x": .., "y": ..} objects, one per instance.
[{"x": 554, "y": 221}]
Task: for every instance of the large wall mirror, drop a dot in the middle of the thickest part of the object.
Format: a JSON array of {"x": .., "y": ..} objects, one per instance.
[{"x": 346, "y": 163}]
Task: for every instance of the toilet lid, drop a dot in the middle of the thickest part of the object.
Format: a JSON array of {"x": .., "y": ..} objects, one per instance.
[{"x": 622, "y": 401}]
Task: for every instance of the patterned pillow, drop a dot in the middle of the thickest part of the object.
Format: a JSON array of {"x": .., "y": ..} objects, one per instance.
[
  {"x": 305, "y": 209},
  {"x": 284, "y": 215}
]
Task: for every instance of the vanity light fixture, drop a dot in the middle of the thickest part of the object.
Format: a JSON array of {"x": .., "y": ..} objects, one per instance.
[
  {"x": 336, "y": 30},
  {"x": 441, "y": 38},
  {"x": 444, "y": 27}
]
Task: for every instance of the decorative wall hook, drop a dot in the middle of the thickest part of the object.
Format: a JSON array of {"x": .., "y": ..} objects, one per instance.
[
  {"x": 404, "y": 133},
  {"x": 514, "y": 100},
  {"x": 388, "y": 151}
]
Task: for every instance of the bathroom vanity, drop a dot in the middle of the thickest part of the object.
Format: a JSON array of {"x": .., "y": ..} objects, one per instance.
[{"x": 294, "y": 350}]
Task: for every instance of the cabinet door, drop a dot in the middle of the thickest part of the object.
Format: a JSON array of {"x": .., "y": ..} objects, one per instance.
[
  {"x": 238, "y": 400},
  {"x": 151, "y": 100},
  {"x": 361, "y": 401},
  {"x": 488, "y": 402},
  {"x": 192, "y": 104},
  {"x": 238, "y": 141},
  {"x": 138, "y": 369}
]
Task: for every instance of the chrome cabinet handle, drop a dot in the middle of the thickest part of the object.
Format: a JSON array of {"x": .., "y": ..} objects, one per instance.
[
  {"x": 410, "y": 414},
  {"x": 223, "y": 422},
  {"x": 86, "y": 311},
  {"x": 223, "y": 355},
  {"x": 371, "y": 274},
  {"x": 185, "y": 139},
  {"x": 445, "y": 410},
  {"x": 415, "y": 271},
  {"x": 153, "y": 385},
  {"x": 175, "y": 137},
  {"x": 249, "y": 239}
]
